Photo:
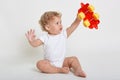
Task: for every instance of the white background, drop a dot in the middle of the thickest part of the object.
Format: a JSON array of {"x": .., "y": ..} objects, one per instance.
[{"x": 97, "y": 50}]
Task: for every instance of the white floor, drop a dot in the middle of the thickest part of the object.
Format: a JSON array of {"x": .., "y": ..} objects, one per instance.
[{"x": 29, "y": 72}]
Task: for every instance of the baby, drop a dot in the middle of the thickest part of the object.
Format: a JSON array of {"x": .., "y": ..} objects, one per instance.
[{"x": 54, "y": 42}]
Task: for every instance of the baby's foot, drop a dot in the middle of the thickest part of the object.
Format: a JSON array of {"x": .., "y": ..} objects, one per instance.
[
  {"x": 65, "y": 70},
  {"x": 80, "y": 73}
]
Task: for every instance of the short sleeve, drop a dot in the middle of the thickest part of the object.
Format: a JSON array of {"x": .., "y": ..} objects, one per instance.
[{"x": 43, "y": 37}]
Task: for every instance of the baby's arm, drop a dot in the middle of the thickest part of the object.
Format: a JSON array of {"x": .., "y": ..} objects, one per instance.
[
  {"x": 32, "y": 38},
  {"x": 73, "y": 26}
]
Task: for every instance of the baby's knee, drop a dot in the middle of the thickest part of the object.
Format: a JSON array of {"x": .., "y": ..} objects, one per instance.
[{"x": 74, "y": 58}]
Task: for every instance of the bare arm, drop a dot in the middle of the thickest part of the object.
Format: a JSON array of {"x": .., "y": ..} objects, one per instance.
[
  {"x": 32, "y": 38},
  {"x": 73, "y": 26}
]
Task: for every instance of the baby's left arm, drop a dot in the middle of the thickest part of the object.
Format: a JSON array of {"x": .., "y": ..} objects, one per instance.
[{"x": 73, "y": 26}]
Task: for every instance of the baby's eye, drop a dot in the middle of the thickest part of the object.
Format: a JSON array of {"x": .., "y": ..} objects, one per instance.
[{"x": 57, "y": 23}]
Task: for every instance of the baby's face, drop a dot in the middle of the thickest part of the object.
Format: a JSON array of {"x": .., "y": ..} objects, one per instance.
[{"x": 55, "y": 26}]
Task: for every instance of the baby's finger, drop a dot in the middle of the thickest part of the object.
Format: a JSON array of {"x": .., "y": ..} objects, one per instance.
[
  {"x": 32, "y": 31},
  {"x": 26, "y": 35}
]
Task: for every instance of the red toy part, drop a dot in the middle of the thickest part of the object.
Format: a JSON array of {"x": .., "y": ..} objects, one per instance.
[{"x": 90, "y": 19}]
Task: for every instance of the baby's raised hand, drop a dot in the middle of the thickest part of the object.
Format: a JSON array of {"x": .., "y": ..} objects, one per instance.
[{"x": 30, "y": 35}]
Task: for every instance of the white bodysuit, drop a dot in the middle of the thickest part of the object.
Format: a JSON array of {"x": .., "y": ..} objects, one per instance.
[{"x": 55, "y": 47}]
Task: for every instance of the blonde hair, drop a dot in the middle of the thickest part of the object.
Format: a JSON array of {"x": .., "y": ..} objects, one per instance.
[{"x": 48, "y": 16}]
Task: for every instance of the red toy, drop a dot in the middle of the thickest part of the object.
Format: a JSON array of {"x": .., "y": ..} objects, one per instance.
[{"x": 90, "y": 19}]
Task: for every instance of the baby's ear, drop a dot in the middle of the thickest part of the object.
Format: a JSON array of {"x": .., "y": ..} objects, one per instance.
[{"x": 47, "y": 27}]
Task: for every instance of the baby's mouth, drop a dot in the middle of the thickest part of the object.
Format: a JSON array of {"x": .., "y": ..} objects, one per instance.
[{"x": 61, "y": 29}]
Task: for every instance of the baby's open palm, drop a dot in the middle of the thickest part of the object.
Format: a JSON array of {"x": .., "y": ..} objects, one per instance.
[{"x": 30, "y": 35}]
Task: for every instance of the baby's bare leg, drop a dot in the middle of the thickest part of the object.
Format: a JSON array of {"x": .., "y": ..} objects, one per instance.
[
  {"x": 73, "y": 62},
  {"x": 46, "y": 67}
]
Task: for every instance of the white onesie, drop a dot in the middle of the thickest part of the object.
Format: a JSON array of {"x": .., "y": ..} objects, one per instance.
[{"x": 55, "y": 47}]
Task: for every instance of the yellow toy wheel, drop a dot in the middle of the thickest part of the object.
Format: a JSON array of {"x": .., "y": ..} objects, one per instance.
[
  {"x": 86, "y": 23},
  {"x": 96, "y": 16},
  {"x": 91, "y": 8},
  {"x": 81, "y": 15}
]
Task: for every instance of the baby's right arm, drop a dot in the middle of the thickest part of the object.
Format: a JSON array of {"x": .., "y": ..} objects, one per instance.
[{"x": 32, "y": 38}]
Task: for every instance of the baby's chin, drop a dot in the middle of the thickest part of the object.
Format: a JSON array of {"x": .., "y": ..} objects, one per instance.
[{"x": 59, "y": 32}]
